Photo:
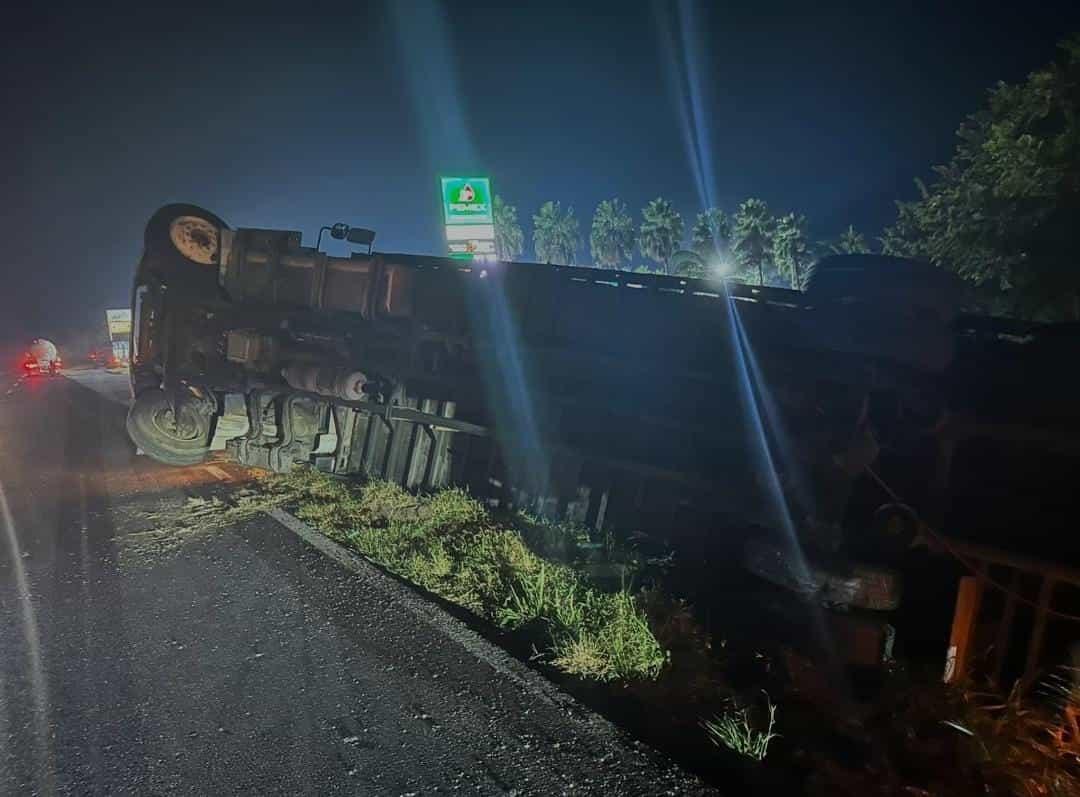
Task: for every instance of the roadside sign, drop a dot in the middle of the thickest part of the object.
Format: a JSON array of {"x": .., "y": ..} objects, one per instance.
[
  {"x": 467, "y": 204},
  {"x": 467, "y": 200},
  {"x": 119, "y": 324}
]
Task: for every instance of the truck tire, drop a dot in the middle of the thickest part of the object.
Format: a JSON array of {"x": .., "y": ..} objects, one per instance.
[
  {"x": 186, "y": 231},
  {"x": 174, "y": 438},
  {"x": 894, "y": 529}
]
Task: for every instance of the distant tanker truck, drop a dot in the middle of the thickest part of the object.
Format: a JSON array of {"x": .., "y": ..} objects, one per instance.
[{"x": 42, "y": 358}]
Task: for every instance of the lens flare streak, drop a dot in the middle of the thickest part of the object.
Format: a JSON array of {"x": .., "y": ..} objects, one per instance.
[{"x": 506, "y": 382}]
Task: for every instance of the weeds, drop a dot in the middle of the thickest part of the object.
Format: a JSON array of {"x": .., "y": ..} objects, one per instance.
[
  {"x": 1019, "y": 745},
  {"x": 734, "y": 731},
  {"x": 937, "y": 738},
  {"x": 448, "y": 544}
]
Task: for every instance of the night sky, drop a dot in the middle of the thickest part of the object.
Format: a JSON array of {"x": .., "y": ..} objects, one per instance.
[{"x": 302, "y": 114}]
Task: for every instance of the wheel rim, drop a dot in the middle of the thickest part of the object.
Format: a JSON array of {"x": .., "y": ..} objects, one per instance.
[
  {"x": 182, "y": 425},
  {"x": 195, "y": 238}
]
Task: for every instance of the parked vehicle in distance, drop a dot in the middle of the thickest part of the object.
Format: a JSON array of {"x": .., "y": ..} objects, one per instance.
[
  {"x": 114, "y": 365},
  {"x": 99, "y": 358}
]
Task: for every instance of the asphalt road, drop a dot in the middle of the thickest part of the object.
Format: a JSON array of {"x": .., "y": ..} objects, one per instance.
[{"x": 142, "y": 653}]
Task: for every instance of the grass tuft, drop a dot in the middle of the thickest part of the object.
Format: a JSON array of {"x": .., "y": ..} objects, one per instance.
[
  {"x": 734, "y": 731},
  {"x": 450, "y": 545}
]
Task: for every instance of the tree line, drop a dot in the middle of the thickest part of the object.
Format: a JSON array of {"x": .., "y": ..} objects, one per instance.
[
  {"x": 1003, "y": 213},
  {"x": 750, "y": 244}
]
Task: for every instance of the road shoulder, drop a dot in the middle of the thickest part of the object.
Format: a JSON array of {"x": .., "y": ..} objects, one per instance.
[{"x": 625, "y": 766}]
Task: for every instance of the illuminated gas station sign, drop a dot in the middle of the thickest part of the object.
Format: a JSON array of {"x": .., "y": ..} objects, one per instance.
[
  {"x": 469, "y": 219},
  {"x": 119, "y": 326}
]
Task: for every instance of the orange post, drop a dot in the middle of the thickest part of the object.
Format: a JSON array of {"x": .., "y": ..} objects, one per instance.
[{"x": 968, "y": 594}]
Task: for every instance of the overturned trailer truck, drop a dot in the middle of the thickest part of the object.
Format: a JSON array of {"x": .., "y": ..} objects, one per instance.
[
  {"x": 627, "y": 401},
  {"x": 566, "y": 387},
  {"x": 605, "y": 397}
]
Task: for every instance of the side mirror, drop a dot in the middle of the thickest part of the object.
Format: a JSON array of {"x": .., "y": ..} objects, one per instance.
[
  {"x": 358, "y": 235},
  {"x": 339, "y": 231}
]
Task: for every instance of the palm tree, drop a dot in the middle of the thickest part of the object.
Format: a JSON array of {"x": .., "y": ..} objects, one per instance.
[
  {"x": 612, "y": 238},
  {"x": 790, "y": 252},
  {"x": 751, "y": 236},
  {"x": 661, "y": 231},
  {"x": 509, "y": 237},
  {"x": 850, "y": 242},
  {"x": 555, "y": 234},
  {"x": 710, "y": 236}
]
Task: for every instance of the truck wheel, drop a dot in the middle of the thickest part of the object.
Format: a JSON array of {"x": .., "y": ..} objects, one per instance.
[
  {"x": 175, "y": 437},
  {"x": 895, "y": 528},
  {"x": 188, "y": 231}
]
